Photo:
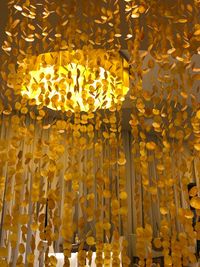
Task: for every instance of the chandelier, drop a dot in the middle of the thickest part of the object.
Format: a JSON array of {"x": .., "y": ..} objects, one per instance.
[{"x": 78, "y": 80}]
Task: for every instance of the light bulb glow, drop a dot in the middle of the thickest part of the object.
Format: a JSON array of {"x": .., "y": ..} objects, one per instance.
[{"x": 73, "y": 86}]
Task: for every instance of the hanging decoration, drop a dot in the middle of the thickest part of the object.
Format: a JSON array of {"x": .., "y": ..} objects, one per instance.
[
  {"x": 64, "y": 169},
  {"x": 78, "y": 80}
]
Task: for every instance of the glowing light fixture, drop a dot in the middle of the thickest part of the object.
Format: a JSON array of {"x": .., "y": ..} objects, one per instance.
[{"x": 77, "y": 80}]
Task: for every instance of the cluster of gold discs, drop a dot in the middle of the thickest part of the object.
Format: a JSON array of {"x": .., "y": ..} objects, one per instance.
[{"x": 63, "y": 166}]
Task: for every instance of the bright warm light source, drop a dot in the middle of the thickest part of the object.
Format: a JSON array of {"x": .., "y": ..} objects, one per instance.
[{"x": 62, "y": 85}]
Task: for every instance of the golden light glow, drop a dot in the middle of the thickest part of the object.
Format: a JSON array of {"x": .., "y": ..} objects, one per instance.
[{"x": 60, "y": 85}]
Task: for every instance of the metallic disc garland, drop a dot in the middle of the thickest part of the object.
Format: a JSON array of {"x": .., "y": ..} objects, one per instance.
[{"x": 63, "y": 165}]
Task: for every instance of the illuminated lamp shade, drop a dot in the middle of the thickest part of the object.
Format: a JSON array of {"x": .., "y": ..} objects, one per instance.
[{"x": 79, "y": 80}]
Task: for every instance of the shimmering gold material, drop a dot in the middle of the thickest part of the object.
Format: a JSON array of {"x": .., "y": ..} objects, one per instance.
[
  {"x": 70, "y": 81},
  {"x": 65, "y": 175}
]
